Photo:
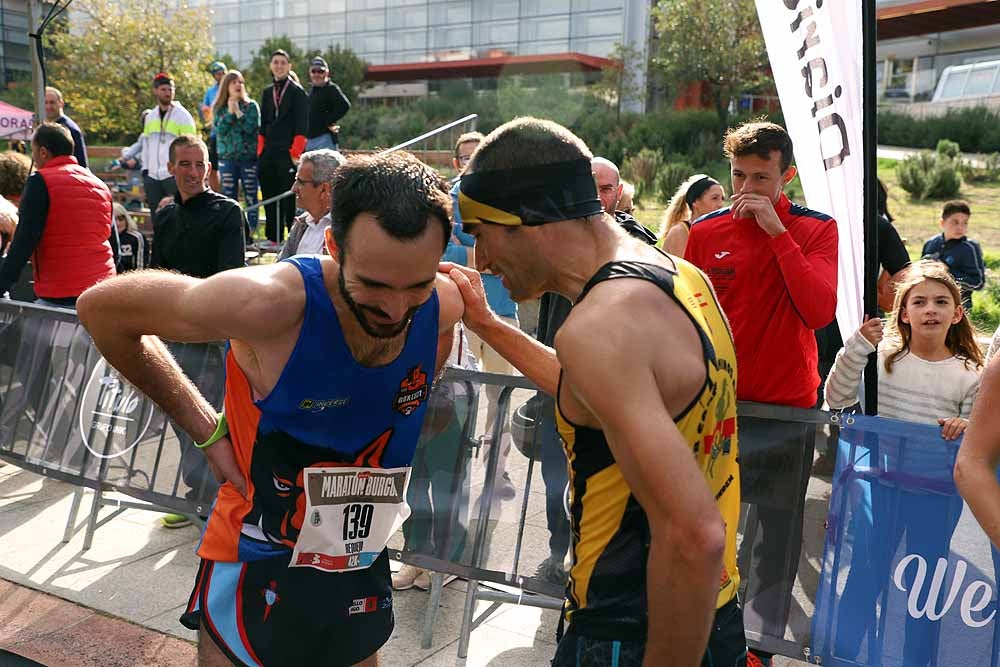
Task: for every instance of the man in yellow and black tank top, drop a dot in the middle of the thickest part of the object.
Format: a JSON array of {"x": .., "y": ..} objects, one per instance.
[{"x": 644, "y": 371}]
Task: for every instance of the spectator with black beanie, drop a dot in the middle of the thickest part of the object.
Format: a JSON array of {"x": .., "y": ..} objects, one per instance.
[{"x": 284, "y": 110}]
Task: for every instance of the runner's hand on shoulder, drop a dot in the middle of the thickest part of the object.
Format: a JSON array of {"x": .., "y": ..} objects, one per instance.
[
  {"x": 470, "y": 284},
  {"x": 222, "y": 460}
]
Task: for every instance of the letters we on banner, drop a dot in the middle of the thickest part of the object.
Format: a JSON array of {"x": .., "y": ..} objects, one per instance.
[{"x": 908, "y": 578}]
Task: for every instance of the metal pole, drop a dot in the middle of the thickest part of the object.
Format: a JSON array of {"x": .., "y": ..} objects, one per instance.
[
  {"x": 471, "y": 117},
  {"x": 425, "y": 135},
  {"x": 38, "y": 81},
  {"x": 870, "y": 142}
]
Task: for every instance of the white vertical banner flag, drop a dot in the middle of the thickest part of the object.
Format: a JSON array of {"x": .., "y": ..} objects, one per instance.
[{"x": 815, "y": 49}]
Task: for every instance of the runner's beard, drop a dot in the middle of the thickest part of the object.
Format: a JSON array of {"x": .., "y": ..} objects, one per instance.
[{"x": 373, "y": 330}]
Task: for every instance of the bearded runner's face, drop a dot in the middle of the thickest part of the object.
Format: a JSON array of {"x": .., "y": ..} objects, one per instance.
[{"x": 384, "y": 280}]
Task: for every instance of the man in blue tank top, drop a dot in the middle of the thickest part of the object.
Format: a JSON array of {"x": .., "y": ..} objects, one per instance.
[{"x": 330, "y": 365}]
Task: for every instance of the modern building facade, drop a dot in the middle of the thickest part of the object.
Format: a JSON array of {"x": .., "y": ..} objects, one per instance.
[
  {"x": 921, "y": 41},
  {"x": 15, "y": 53},
  {"x": 388, "y": 33}
]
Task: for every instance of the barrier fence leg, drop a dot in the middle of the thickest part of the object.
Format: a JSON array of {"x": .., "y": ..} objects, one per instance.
[
  {"x": 437, "y": 587},
  {"x": 88, "y": 538},
  {"x": 73, "y": 510},
  {"x": 467, "y": 616}
]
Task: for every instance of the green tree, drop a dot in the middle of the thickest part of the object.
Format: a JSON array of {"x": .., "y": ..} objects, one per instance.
[
  {"x": 258, "y": 73},
  {"x": 542, "y": 95},
  {"x": 619, "y": 81},
  {"x": 347, "y": 70},
  {"x": 715, "y": 41},
  {"x": 105, "y": 65}
]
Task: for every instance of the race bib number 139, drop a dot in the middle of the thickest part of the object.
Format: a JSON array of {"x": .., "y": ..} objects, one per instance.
[{"x": 350, "y": 515}]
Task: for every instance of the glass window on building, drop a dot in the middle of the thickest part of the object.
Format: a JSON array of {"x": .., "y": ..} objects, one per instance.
[
  {"x": 367, "y": 21},
  {"x": 374, "y": 58},
  {"x": 231, "y": 48},
  {"x": 596, "y": 24},
  {"x": 593, "y": 5},
  {"x": 452, "y": 37},
  {"x": 954, "y": 83},
  {"x": 407, "y": 17},
  {"x": 495, "y": 32},
  {"x": 409, "y": 40},
  {"x": 366, "y": 4},
  {"x": 542, "y": 7},
  {"x": 328, "y": 24},
  {"x": 256, "y": 11},
  {"x": 542, "y": 48},
  {"x": 227, "y": 32},
  {"x": 545, "y": 28},
  {"x": 322, "y": 42},
  {"x": 396, "y": 57},
  {"x": 924, "y": 79},
  {"x": 447, "y": 13},
  {"x": 494, "y": 10},
  {"x": 495, "y": 50},
  {"x": 367, "y": 43},
  {"x": 980, "y": 81},
  {"x": 327, "y": 6},
  {"x": 900, "y": 77},
  {"x": 258, "y": 30},
  {"x": 246, "y": 51},
  {"x": 296, "y": 7},
  {"x": 600, "y": 46}
]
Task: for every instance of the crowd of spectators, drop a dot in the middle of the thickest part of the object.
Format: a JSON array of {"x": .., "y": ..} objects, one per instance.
[{"x": 772, "y": 263}]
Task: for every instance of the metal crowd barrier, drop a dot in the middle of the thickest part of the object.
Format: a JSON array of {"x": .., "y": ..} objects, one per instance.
[{"x": 862, "y": 555}]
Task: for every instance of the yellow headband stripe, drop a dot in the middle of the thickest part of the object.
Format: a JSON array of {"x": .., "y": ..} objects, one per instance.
[{"x": 478, "y": 212}]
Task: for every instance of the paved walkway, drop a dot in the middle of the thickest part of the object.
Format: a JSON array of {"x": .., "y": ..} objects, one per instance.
[
  {"x": 117, "y": 604},
  {"x": 898, "y": 153}
]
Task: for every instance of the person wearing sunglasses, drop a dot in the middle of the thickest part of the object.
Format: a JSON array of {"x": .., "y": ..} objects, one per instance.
[
  {"x": 133, "y": 250},
  {"x": 327, "y": 105}
]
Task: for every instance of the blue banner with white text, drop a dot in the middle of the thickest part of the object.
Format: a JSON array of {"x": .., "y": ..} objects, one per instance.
[{"x": 908, "y": 577}]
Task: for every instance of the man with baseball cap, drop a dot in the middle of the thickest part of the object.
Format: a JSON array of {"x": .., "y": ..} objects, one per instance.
[
  {"x": 218, "y": 70},
  {"x": 165, "y": 122},
  {"x": 327, "y": 105}
]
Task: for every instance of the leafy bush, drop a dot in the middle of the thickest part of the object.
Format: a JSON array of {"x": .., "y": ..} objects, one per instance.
[
  {"x": 989, "y": 172},
  {"x": 975, "y": 129},
  {"x": 669, "y": 178},
  {"x": 948, "y": 148},
  {"x": 986, "y": 305},
  {"x": 641, "y": 170},
  {"x": 929, "y": 174}
]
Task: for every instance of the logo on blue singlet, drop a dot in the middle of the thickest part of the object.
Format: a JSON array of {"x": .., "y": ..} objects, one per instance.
[
  {"x": 319, "y": 405},
  {"x": 413, "y": 391}
]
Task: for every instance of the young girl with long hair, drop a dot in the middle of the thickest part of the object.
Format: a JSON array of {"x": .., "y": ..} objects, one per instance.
[
  {"x": 930, "y": 361},
  {"x": 929, "y": 367},
  {"x": 697, "y": 196},
  {"x": 237, "y": 121}
]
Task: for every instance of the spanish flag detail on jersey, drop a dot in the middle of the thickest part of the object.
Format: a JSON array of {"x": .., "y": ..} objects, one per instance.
[{"x": 606, "y": 592}]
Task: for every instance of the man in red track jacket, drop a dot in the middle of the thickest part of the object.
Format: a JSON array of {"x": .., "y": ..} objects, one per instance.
[{"x": 774, "y": 267}]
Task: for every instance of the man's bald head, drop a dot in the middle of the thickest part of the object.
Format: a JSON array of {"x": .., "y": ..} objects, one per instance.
[{"x": 609, "y": 187}]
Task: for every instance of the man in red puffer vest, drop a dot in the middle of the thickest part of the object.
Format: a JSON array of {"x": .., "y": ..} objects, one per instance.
[{"x": 65, "y": 224}]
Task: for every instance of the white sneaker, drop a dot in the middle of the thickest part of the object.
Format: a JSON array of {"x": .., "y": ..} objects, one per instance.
[{"x": 407, "y": 578}]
